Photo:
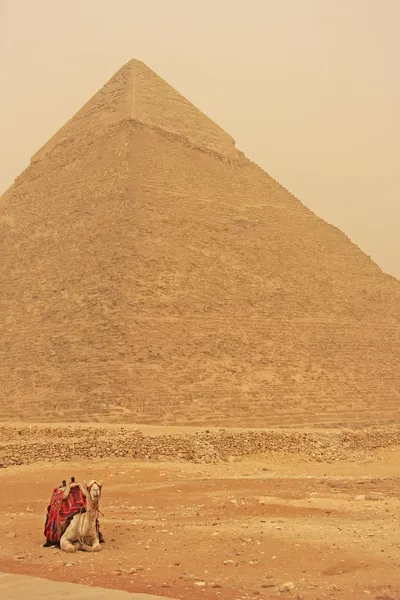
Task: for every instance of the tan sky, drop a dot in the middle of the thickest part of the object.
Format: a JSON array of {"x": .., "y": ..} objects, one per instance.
[{"x": 309, "y": 89}]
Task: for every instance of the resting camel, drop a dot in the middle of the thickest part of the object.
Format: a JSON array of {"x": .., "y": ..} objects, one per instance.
[{"x": 82, "y": 532}]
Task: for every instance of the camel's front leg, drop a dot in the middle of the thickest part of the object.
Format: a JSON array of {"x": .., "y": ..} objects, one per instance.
[
  {"x": 68, "y": 546},
  {"x": 92, "y": 546},
  {"x": 70, "y": 539}
]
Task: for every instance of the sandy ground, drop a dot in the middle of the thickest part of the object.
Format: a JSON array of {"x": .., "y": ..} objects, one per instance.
[{"x": 233, "y": 530}]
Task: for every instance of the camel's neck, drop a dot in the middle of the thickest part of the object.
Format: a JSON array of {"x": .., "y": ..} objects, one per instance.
[{"x": 92, "y": 509}]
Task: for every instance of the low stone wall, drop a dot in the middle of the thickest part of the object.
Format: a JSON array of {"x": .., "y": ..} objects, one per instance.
[{"x": 28, "y": 444}]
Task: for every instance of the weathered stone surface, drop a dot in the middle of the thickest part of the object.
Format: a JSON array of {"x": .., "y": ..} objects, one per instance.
[
  {"x": 151, "y": 273},
  {"x": 374, "y": 496}
]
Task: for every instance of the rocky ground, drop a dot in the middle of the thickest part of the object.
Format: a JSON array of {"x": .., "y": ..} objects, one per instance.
[
  {"x": 26, "y": 444},
  {"x": 274, "y": 525}
]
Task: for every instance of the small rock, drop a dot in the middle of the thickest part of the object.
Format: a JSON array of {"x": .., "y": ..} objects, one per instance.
[
  {"x": 374, "y": 496},
  {"x": 338, "y": 484},
  {"x": 200, "y": 583},
  {"x": 287, "y": 587},
  {"x": 11, "y": 534}
]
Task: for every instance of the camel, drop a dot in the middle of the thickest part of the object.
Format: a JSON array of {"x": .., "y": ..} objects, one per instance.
[{"x": 82, "y": 532}]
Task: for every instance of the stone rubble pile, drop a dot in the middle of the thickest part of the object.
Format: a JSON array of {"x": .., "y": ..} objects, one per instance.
[{"x": 25, "y": 444}]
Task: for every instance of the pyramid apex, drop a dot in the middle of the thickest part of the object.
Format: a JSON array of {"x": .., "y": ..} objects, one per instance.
[
  {"x": 132, "y": 62},
  {"x": 136, "y": 61},
  {"x": 136, "y": 92}
]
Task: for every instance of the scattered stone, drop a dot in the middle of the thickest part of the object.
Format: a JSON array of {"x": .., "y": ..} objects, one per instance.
[
  {"x": 200, "y": 583},
  {"x": 287, "y": 587},
  {"x": 11, "y": 534},
  {"x": 32, "y": 443}
]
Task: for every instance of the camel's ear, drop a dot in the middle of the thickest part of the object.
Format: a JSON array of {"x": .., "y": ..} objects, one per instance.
[
  {"x": 85, "y": 485},
  {"x": 100, "y": 484}
]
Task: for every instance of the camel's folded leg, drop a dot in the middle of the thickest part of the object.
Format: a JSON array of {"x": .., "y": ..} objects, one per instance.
[
  {"x": 95, "y": 548},
  {"x": 68, "y": 546}
]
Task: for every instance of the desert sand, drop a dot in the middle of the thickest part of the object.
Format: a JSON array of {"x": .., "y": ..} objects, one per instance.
[{"x": 232, "y": 530}]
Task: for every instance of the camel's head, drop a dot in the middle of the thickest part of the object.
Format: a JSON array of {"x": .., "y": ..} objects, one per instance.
[{"x": 94, "y": 490}]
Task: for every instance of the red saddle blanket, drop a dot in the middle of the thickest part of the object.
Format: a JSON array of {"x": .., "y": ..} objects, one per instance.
[{"x": 61, "y": 511}]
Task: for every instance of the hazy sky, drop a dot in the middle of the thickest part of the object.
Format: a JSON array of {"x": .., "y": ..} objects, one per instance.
[{"x": 309, "y": 89}]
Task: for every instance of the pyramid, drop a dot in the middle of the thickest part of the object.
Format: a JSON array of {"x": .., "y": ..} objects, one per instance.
[{"x": 151, "y": 273}]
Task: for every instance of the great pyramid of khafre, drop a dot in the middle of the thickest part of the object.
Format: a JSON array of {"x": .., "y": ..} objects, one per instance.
[{"x": 151, "y": 273}]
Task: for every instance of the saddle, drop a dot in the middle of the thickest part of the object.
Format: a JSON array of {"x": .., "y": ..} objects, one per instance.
[{"x": 66, "y": 502}]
